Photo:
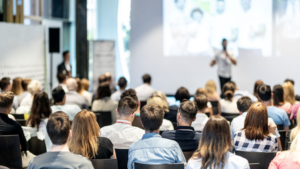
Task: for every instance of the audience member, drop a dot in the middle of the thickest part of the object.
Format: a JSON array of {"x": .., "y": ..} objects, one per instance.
[
  {"x": 296, "y": 131},
  {"x": 169, "y": 115},
  {"x": 211, "y": 90},
  {"x": 278, "y": 115},
  {"x": 85, "y": 84},
  {"x": 256, "y": 136},
  {"x": 240, "y": 93},
  {"x": 201, "y": 117},
  {"x": 104, "y": 103},
  {"x": 122, "y": 86},
  {"x": 33, "y": 87},
  {"x": 228, "y": 104},
  {"x": 59, "y": 98},
  {"x": 65, "y": 67},
  {"x": 297, "y": 97},
  {"x": 256, "y": 85},
  {"x": 58, "y": 128},
  {"x": 152, "y": 149},
  {"x": 145, "y": 90},
  {"x": 214, "y": 148},
  {"x": 25, "y": 83},
  {"x": 209, "y": 106},
  {"x": 166, "y": 124},
  {"x": 17, "y": 86},
  {"x": 289, "y": 92},
  {"x": 86, "y": 140},
  {"x": 62, "y": 80},
  {"x": 185, "y": 135},
  {"x": 73, "y": 97},
  {"x": 279, "y": 101},
  {"x": 5, "y": 86},
  {"x": 110, "y": 82}
]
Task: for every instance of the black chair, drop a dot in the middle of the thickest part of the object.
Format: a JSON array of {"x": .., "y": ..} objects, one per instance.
[
  {"x": 105, "y": 163},
  {"x": 22, "y": 122},
  {"x": 283, "y": 139},
  {"x": 208, "y": 114},
  {"x": 188, "y": 154},
  {"x": 10, "y": 152},
  {"x": 280, "y": 127},
  {"x": 36, "y": 146},
  {"x": 289, "y": 145},
  {"x": 103, "y": 118},
  {"x": 215, "y": 107},
  {"x": 160, "y": 132},
  {"x": 174, "y": 125},
  {"x": 229, "y": 116},
  {"x": 122, "y": 158},
  {"x": 254, "y": 166},
  {"x": 143, "y": 103},
  {"x": 263, "y": 158},
  {"x": 161, "y": 166},
  {"x": 18, "y": 116},
  {"x": 137, "y": 122}
]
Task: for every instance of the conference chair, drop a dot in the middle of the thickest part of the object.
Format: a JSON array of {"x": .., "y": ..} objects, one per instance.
[
  {"x": 208, "y": 114},
  {"x": 137, "y": 122},
  {"x": 122, "y": 158},
  {"x": 143, "y": 103},
  {"x": 280, "y": 127},
  {"x": 283, "y": 139},
  {"x": 188, "y": 154},
  {"x": 10, "y": 152},
  {"x": 105, "y": 163},
  {"x": 103, "y": 118},
  {"x": 215, "y": 107},
  {"x": 229, "y": 116},
  {"x": 160, "y": 132},
  {"x": 160, "y": 166},
  {"x": 254, "y": 166},
  {"x": 18, "y": 116},
  {"x": 36, "y": 146},
  {"x": 174, "y": 125},
  {"x": 22, "y": 122},
  {"x": 263, "y": 158}
]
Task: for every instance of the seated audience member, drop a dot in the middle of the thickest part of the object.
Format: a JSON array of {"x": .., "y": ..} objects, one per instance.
[
  {"x": 256, "y": 85},
  {"x": 294, "y": 111},
  {"x": 145, "y": 90},
  {"x": 110, "y": 82},
  {"x": 297, "y": 97},
  {"x": 25, "y": 83},
  {"x": 228, "y": 104},
  {"x": 211, "y": 90},
  {"x": 102, "y": 79},
  {"x": 152, "y": 149},
  {"x": 289, "y": 92},
  {"x": 279, "y": 101},
  {"x": 33, "y": 87},
  {"x": 104, "y": 103},
  {"x": 122, "y": 86},
  {"x": 86, "y": 140},
  {"x": 201, "y": 117},
  {"x": 185, "y": 135},
  {"x": 240, "y": 93},
  {"x": 85, "y": 84},
  {"x": 166, "y": 124},
  {"x": 278, "y": 115},
  {"x": 209, "y": 106},
  {"x": 296, "y": 131},
  {"x": 168, "y": 113},
  {"x": 5, "y": 86},
  {"x": 17, "y": 86},
  {"x": 59, "y": 98},
  {"x": 288, "y": 159},
  {"x": 73, "y": 97},
  {"x": 122, "y": 134},
  {"x": 214, "y": 149},
  {"x": 59, "y": 131},
  {"x": 256, "y": 136},
  {"x": 62, "y": 80}
]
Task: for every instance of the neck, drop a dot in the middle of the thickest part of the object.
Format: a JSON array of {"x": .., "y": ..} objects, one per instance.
[
  {"x": 267, "y": 103},
  {"x": 126, "y": 118},
  {"x": 63, "y": 147},
  {"x": 60, "y": 103},
  {"x": 147, "y": 83},
  {"x": 183, "y": 123},
  {"x": 201, "y": 111},
  {"x": 155, "y": 131},
  {"x": 122, "y": 88}
]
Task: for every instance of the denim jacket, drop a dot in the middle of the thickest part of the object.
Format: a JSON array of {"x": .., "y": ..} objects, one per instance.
[{"x": 153, "y": 149}]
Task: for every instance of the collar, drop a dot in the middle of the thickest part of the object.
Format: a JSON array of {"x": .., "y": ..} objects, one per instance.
[
  {"x": 3, "y": 115},
  {"x": 151, "y": 135},
  {"x": 123, "y": 122},
  {"x": 185, "y": 128},
  {"x": 244, "y": 114}
]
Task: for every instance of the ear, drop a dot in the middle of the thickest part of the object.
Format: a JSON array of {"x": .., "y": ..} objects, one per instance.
[
  {"x": 70, "y": 133},
  {"x": 194, "y": 118},
  {"x": 117, "y": 112},
  {"x": 178, "y": 116}
]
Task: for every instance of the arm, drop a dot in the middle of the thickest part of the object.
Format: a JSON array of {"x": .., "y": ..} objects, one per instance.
[
  {"x": 232, "y": 60},
  {"x": 286, "y": 130},
  {"x": 279, "y": 144},
  {"x": 22, "y": 138},
  {"x": 213, "y": 62},
  {"x": 114, "y": 156}
]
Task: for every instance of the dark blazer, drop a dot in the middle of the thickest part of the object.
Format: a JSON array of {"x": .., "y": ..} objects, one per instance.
[{"x": 62, "y": 68}]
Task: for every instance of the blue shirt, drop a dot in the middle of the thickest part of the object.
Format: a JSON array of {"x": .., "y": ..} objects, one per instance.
[
  {"x": 153, "y": 149},
  {"x": 279, "y": 116}
]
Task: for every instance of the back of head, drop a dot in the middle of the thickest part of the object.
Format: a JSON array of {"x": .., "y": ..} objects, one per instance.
[
  {"x": 164, "y": 99},
  {"x": 122, "y": 82},
  {"x": 4, "y": 83},
  {"x": 108, "y": 76},
  {"x": 256, "y": 122},
  {"x": 156, "y": 100},
  {"x": 256, "y": 85},
  {"x": 103, "y": 91},
  {"x": 182, "y": 93},
  {"x": 85, "y": 84},
  {"x": 278, "y": 95},
  {"x": 244, "y": 103},
  {"x": 17, "y": 86},
  {"x": 188, "y": 110},
  {"x": 228, "y": 90},
  {"x": 65, "y": 53},
  {"x": 25, "y": 83},
  {"x": 85, "y": 131},
  {"x": 215, "y": 143},
  {"x": 201, "y": 101},
  {"x": 79, "y": 87},
  {"x": 131, "y": 93},
  {"x": 146, "y": 78},
  {"x": 264, "y": 92},
  {"x": 289, "y": 92},
  {"x": 58, "y": 94},
  {"x": 61, "y": 77},
  {"x": 58, "y": 128},
  {"x": 200, "y": 91},
  {"x": 210, "y": 87},
  {"x": 290, "y": 80},
  {"x": 34, "y": 86},
  {"x": 152, "y": 117},
  {"x": 127, "y": 106},
  {"x": 6, "y": 100},
  {"x": 72, "y": 84},
  {"x": 102, "y": 79}
]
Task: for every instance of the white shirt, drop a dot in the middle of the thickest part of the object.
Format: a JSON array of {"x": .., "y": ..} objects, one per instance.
[
  {"x": 200, "y": 121},
  {"x": 228, "y": 106},
  {"x": 69, "y": 109},
  {"x": 224, "y": 63},
  {"x": 144, "y": 92},
  {"x": 68, "y": 66},
  {"x": 233, "y": 162},
  {"x": 116, "y": 95},
  {"x": 122, "y": 134},
  {"x": 166, "y": 125},
  {"x": 27, "y": 101},
  {"x": 88, "y": 96},
  {"x": 238, "y": 94}
]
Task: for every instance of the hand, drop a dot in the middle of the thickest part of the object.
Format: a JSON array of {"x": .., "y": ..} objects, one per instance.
[{"x": 272, "y": 127}]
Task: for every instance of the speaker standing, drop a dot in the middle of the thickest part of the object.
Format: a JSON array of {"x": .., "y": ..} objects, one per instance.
[{"x": 65, "y": 67}]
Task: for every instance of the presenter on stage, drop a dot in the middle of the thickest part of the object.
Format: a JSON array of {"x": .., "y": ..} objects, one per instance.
[
  {"x": 65, "y": 66},
  {"x": 224, "y": 59}
]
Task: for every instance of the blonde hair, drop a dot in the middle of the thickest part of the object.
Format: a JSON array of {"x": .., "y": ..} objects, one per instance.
[
  {"x": 17, "y": 88},
  {"x": 84, "y": 140},
  {"x": 85, "y": 84},
  {"x": 164, "y": 99},
  {"x": 34, "y": 86},
  {"x": 200, "y": 91},
  {"x": 289, "y": 92},
  {"x": 156, "y": 100},
  {"x": 295, "y": 131},
  {"x": 295, "y": 147},
  {"x": 210, "y": 88}
]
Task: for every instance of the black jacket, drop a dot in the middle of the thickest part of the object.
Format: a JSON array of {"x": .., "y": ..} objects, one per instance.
[{"x": 61, "y": 68}]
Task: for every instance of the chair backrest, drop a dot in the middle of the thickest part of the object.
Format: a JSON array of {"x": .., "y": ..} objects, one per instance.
[
  {"x": 254, "y": 166},
  {"x": 18, "y": 116},
  {"x": 160, "y": 166},
  {"x": 215, "y": 107},
  {"x": 137, "y": 122},
  {"x": 103, "y": 118},
  {"x": 160, "y": 132},
  {"x": 229, "y": 116},
  {"x": 122, "y": 157},
  {"x": 174, "y": 125},
  {"x": 283, "y": 139},
  {"x": 36, "y": 146},
  {"x": 143, "y": 103},
  {"x": 188, "y": 154},
  {"x": 10, "y": 152},
  {"x": 208, "y": 114},
  {"x": 263, "y": 158},
  {"x": 22, "y": 122},
  {"x": 280, "y": 127},
  {"x": 105, "y": 163}
]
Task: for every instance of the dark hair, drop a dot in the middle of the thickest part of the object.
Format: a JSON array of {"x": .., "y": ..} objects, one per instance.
[
  {"x": 264, "y": 92},
  {"x": 61, "y": 77},
  {"x": 58, "y": 94},
  {"x": 278, "y": 94},
  {"x": 146, "y": 78},
  {"x": 224, "y": 39},
  {"x": 256, "y": 85},
  {"x": 122, "y": 82},
  {"x": 6, "y": 99},
  {"x": 152, "y": 116},
  {"x": 40, "y": 109},
  {"x": 58, "y": 128},
  {"x": 188, "y": 110},
  {"x": 127, "y": 105},
  {"x": 290, "y": 80},
  {"x": 182, "y": 93},
  {"x": 196, "y": 10},
  {"x": 244, "y": 103},
  {"x": 102, "y": 79},
  {"x": 25, "y": 83},
  {"x": 103, "y": 91},
  {"x": 131, "y": 93},
  {"x": 4, "y": 82},
  {"x": 201, "y": 101},
  {"x": 228, "y": 90},
  {"x": 65, "y": 53}
]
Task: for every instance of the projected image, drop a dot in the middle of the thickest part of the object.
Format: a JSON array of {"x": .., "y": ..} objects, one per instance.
[{"x": 197, "y": 27}]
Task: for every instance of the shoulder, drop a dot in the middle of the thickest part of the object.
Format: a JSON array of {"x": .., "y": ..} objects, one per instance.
[
  {"x": 194, "y": 163},
  {"x": 168, "y": 134},
  {"x": 232, "y": 158},
  {"x": 272, "y": 138}
]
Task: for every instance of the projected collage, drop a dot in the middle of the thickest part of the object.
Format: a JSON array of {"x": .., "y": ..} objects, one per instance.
[{"x": 197, "y": 27}]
